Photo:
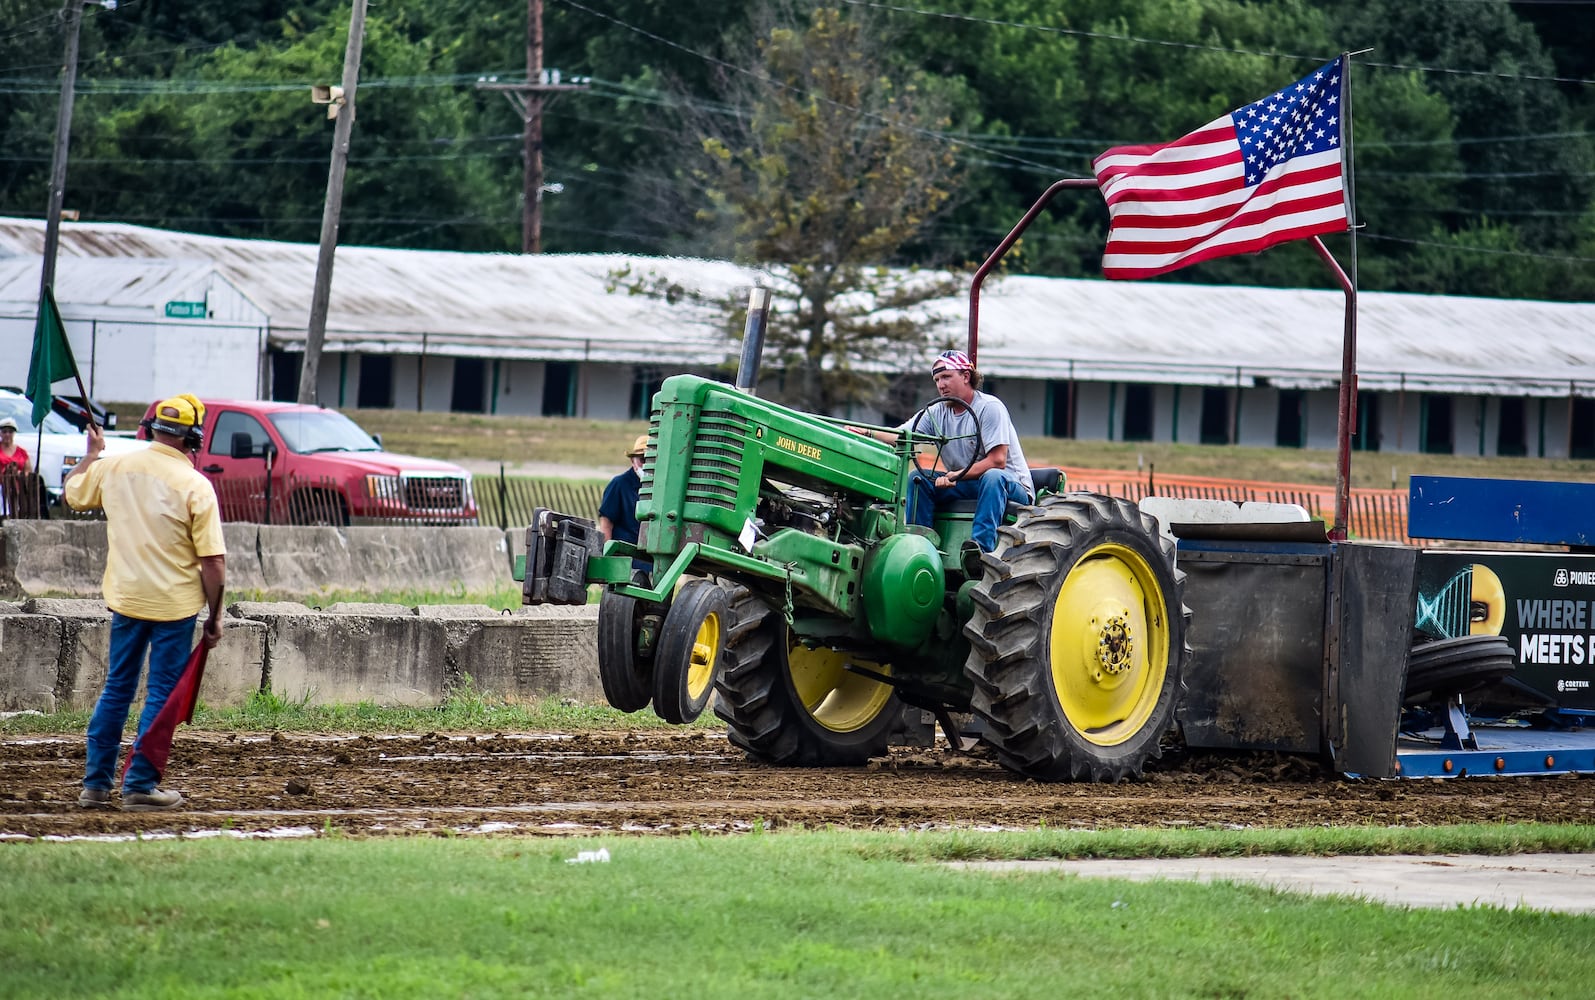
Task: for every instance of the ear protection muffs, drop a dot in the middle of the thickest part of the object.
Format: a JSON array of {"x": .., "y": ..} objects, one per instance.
[{"x": 181, "y": 416}]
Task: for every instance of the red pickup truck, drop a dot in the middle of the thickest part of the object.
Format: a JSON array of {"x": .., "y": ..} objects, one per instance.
[{"x": 287, "y": 463}]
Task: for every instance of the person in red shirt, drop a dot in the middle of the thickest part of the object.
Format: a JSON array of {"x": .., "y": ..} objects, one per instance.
[{"x": 13, "y": 457}]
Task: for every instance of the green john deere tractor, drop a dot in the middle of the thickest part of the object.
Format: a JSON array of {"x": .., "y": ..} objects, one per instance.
[{"x": 786, "y": 579}]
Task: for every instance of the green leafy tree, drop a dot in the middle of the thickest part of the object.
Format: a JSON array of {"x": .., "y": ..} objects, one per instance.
[{"x": 825, "y": 167}]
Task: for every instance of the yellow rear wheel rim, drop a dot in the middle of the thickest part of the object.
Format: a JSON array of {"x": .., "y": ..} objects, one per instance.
[
  {"x": 836, "y": 698},
  {"x": 1109, "y": 644}
]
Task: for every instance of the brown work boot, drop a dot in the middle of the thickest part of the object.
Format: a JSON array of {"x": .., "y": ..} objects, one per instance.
[
  {"x": 969, "y": 559},
  {"x": 153, "y": 800},
  {"x": 94, "y": 798}
]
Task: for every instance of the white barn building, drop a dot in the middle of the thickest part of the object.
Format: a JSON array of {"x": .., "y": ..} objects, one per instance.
[{"x": 151, "y": 312}]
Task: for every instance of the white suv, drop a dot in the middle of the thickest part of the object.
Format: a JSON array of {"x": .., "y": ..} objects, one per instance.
[{"x": 60, "y": 447}]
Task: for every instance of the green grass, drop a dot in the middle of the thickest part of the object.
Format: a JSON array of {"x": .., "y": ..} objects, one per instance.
[
  {"x": 507, "y": 597},
  {"x": 818, "y": 914}
]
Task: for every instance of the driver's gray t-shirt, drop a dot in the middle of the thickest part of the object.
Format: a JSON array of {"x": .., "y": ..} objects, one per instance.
[{"x": 989, "y": 416}]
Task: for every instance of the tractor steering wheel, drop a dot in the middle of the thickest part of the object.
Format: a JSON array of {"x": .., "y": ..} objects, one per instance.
[{"x": 940, "y": 440}]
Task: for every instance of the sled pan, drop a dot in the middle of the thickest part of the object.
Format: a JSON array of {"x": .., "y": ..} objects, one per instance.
[{"x": 1297, "y": 646}]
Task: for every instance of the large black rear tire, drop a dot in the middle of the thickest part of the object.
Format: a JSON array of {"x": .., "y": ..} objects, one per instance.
[
  {"x": 797, "y": 707},
  {"x": 1078, "y": 640}
]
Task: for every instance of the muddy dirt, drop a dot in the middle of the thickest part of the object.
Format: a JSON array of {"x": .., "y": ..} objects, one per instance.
[{"x": 667, "y": 782}]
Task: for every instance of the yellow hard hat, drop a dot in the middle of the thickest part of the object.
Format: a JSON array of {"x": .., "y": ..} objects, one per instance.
[{"x": 179, "y": 415}]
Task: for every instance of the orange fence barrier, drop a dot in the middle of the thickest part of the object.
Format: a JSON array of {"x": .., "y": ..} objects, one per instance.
[{"x": 1375, "y": 515}]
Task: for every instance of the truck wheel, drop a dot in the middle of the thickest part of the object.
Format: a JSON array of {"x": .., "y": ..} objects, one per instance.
[
  {"x": 788, "y": 705},
  {"x": 1077, "y": 640},
  {"x": 688, "y": 656},
  {"x": 626, "y": 677}
]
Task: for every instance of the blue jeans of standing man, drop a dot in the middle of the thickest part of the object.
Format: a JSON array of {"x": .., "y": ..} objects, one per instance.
[
  {"x": 991, "y": 493},
  {"x": 168, "y": 644}
]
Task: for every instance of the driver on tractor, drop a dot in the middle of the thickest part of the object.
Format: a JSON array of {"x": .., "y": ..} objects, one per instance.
[{"x": 982, "y": 454}]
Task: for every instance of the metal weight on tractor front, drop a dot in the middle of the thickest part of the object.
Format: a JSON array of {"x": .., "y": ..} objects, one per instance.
[
  {"x": 1079, "y": 642},
  {"x": 688, "y": 655}
]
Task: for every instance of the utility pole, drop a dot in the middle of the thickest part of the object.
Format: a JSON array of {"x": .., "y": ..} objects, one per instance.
[
  {"x": 341, "y": 106},
  {"x": 528, "y": 99},
  {"x": 73, "y": 13}
]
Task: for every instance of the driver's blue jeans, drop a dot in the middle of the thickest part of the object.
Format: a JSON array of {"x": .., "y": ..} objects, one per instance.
[{"x": 991, "y": 493}]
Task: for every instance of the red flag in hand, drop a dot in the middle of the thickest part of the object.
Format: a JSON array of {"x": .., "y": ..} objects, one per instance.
[{"x": 156, "y": 743}]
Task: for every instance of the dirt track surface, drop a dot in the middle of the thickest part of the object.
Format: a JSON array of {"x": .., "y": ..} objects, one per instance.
[{"x": 668, "y": 782}]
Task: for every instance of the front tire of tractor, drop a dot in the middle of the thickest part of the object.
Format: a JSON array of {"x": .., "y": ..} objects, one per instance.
[
  {"x": 1078, "y": 640},
  {"x": 691, "y": 642},
  {"x": 797, "y": 707}
]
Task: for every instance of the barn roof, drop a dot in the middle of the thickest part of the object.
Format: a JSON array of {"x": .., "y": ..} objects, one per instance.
[{"x": 565, "y": 307}]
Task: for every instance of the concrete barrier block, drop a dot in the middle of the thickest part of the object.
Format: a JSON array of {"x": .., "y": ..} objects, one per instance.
[
  {"x": 557, "y": 611},
  {"x": 236, "y": 668},
  {"x": 296, "y": 560},
  {"x": 30, "y": 647},
  {"x": 326, "y": 659},
  {"x": 524, "y": 658},
  {"x": 390, "y": 557},
  {"x": 363, "y": 608},
  {"x": 82, "y": 656},
  {"x": 55, "y": 557},
  {"x": 85, "y": 651},
  {"x": 264, "y": 610},
  {"x": 243, "y": 556},
  {"x": 446, "y": 611}
]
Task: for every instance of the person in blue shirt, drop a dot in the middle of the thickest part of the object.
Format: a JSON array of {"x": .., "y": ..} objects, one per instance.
[{"x": 617, "y": 511}]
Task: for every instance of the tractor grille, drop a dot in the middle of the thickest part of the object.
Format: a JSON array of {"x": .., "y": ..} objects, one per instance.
[{"x": 716, "y": 468}]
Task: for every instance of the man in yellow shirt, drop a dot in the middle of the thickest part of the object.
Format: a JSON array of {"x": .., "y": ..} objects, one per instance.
[{"x": 166, "y": 561}]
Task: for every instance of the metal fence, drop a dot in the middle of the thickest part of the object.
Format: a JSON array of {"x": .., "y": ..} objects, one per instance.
[
  {"x": 22, "y": 495},
  {"x": 508, "y": 502}
]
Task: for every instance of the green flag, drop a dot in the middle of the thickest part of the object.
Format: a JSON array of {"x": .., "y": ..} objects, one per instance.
[{"x": 52, "y": 357}]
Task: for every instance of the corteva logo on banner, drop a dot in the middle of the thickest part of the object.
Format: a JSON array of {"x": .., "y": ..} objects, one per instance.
[
  {"x": 1574, "y": 578},
  {"x": 1567, "y": 685}
]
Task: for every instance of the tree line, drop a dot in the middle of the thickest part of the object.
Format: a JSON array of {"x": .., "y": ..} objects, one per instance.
[{"x": 1474, "y": 127}]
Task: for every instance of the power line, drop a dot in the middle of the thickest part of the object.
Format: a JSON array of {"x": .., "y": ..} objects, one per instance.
[
  {"x": 799, "y": 91},
  {"x": 1459, "y": 248}
]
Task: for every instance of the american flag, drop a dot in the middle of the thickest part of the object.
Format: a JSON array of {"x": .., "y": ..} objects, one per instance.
[{"x": 1269, "y": 172}]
